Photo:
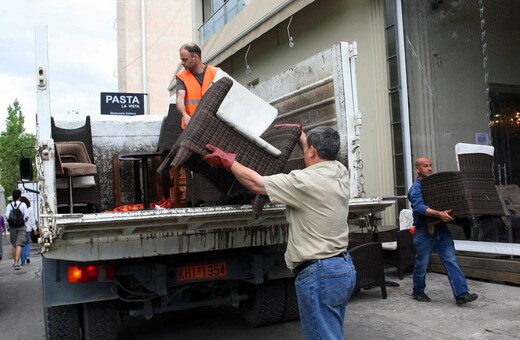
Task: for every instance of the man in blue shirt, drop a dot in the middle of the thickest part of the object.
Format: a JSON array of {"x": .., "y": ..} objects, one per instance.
[{"x": 441, "y": 241}]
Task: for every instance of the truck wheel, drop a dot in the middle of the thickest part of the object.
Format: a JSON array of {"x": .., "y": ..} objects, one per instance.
[
  {"x": 100, "y": 320},
  {"x": 290, "y": 312},
  {"x": 61, "y": 322},
  {"x": 265, "y": 304}
]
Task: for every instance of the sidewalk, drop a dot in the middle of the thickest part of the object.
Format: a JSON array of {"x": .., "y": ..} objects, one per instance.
[{"x": 494, "y": 315}]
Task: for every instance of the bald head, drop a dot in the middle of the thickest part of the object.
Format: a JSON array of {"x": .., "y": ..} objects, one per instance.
[
  {"x": 191, "y": 47},
  {"x": 423, "y": 167}
]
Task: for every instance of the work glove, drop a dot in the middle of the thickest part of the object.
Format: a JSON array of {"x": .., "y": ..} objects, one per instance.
[
  {"x": 277, "y": 126},
  {"x": 218, "y": 158},
  {"x": 298, "y": 125}
]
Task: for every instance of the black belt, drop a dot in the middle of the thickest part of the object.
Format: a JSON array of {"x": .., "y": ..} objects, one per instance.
[{"x": 299, "y": 268}]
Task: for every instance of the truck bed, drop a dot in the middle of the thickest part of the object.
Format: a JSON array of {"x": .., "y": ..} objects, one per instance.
[{"x": 147, "y": 233}]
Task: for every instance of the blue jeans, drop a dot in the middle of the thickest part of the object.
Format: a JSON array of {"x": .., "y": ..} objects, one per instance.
[
  {"x": 27, "y": 248},
  {"x": 443, "y": 244},
  {"x": 323, "y": 290}
]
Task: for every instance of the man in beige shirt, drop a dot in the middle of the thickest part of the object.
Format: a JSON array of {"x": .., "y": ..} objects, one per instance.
[{"x": 317, "y": 209}]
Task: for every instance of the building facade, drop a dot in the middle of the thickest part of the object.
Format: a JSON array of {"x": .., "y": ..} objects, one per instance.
[
  {"x": 149, "y": 34},
  {"x": 430, "y": 74}
]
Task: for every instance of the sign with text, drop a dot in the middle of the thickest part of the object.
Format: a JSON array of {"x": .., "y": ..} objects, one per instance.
[{"x": 122, "y": 104}]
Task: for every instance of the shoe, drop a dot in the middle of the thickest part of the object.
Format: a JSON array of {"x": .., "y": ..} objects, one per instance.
[
  {"x": 466, "y": 297},
  {"x": 421, "y": 297},
  {"x": 17, "y": 267},
  {"x": 28, "y": 260}
]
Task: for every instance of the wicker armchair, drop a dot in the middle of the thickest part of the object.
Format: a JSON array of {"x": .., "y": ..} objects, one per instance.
[
  {"x": 206, "y": 128},
  {"x": 89, "y": 195},
  {"x": 469, "y": 193},
  {"x": 368, "y": 261},
  {"x": 398, "y": 249}
]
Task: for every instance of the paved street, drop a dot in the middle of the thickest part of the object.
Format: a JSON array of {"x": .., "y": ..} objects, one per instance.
[{"x": 495, "y": 315}]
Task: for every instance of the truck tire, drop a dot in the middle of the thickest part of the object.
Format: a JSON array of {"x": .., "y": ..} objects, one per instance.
[
  {"x": 290, "y": 312},
  {"x": 265, "y": 304},
  {"x": 62, "y": 322},
  {"x": 100, "y": 320}
]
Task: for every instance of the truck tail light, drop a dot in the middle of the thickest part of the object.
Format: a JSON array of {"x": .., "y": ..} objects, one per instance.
[{"x": 91, "y": 273}]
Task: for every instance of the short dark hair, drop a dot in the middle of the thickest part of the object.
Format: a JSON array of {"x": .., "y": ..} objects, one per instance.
[
  {"x": 16, "y": 194},
  {"x": 326, "y": 141},
  {"x": 192, "y": 48},
  {"x": 26, "y": 201}
]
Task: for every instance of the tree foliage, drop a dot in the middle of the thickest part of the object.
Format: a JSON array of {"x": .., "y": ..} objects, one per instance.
[{"x": 13, "y": 140}]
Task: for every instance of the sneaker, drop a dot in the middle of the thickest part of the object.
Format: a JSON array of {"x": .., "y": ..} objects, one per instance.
[
  {"x": 28, "y": 260},
  {"x": 17, "y": 267},
  {"x": 421, "y": 297},
  {"x": 466, "y": 297}
]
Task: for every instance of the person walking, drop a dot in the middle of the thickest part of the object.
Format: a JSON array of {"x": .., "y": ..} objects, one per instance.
[
  {"x": 193, "y": 81},
  {"x": 441, "y": 241},
  {"x": 16, "y": 213},
  {"x": 317, "y": 200},
  {"x": 30, "y": 227},
  {"x": 3, "y": 230}
]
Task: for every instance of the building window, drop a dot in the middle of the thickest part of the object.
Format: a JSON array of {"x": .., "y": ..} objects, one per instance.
[
  {"x": 394, "y": 91},
  {"x": 216, "y": 14}
]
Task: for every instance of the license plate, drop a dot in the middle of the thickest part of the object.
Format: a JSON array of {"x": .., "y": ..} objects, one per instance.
[{"x": 202, "y": 272}]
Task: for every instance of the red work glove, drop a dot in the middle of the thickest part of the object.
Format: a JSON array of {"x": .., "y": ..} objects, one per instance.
[
  {"x": 277, "y": 126},
  {"x": 218, "y": 158}
]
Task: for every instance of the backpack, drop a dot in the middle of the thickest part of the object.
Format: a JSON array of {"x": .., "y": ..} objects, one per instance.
[{"x": 16, "y": 218}]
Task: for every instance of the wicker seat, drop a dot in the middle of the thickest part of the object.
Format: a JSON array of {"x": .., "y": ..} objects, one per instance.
[
  {"x": 357, "y": 239},
  {"x": 403, "y": 256},
  {"x": 206, "y": 128},
  {"x": 89, "y": 195},
  {"x": 469, "y": 193},
  {"x": 368, "y": 261}
]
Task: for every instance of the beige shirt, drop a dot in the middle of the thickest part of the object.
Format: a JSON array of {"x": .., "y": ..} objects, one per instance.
[{"x": 317, "y": 208}]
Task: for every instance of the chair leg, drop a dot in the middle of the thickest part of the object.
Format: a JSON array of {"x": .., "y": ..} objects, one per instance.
[
  {"x": 71, "y": 204},
  {"x": 383, "y": 290}
]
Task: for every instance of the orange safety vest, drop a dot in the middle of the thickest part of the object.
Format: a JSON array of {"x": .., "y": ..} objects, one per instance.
[{"x": 194, "y": 91}]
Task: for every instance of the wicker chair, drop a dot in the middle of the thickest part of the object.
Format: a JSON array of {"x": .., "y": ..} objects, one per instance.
[
  {"x": 469, "y": 193},
  {"x": 368, "y": 261},
  {"x": 90, "y": 194},
  {"x": 206, "y": 128},
  {"x": 400, "y": 255},
  {"x": 357, "y": 239}
]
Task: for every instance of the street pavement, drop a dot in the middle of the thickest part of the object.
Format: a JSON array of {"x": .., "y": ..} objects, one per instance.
[{"x": 494, "y": 315}]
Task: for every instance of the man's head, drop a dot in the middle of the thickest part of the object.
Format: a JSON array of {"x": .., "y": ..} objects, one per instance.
[
  {"x": 191, "y": 57},
  {"x": 322, "y": 144},
  {"x": 16, "y": 194},
  {"x": 423, "y": 166}
]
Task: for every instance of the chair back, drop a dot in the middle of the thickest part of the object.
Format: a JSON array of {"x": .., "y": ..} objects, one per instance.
[
  {"x": 170, "y": 129},
  {"x": 474, "y": 158},
  {"x": 82, "y": 134}
]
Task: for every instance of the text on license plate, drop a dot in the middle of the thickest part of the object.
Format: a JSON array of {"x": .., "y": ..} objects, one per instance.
[{"x": 203, "y": 271}]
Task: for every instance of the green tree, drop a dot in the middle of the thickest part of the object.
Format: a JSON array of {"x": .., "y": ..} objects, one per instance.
[{"x": 12, "y": 140}]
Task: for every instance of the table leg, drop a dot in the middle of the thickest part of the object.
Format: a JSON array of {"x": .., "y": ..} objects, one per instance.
[
  {"x": 144, "y": 165},
  {"x": 137, "y": 182}
]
